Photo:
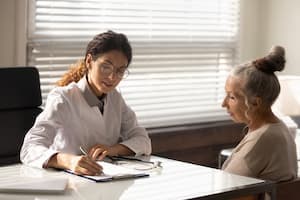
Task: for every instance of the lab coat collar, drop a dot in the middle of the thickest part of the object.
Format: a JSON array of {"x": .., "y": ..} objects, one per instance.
[{"x": 87, "y": 92}]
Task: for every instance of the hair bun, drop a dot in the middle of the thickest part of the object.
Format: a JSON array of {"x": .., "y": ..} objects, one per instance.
[
  {"x": 275, "y": 61},
  {"x": 277, "y": 51}
]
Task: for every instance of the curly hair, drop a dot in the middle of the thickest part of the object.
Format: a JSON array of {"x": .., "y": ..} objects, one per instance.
[
  {"x": 100, "y": 44},
  {"x": 75, "y": 73}
]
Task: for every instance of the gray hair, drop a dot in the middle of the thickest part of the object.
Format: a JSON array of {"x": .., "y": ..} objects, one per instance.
[{"x": 258, "y": 77}]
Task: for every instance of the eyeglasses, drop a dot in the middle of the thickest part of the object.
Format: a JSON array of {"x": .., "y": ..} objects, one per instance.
[{"x": 107, "y": 70}]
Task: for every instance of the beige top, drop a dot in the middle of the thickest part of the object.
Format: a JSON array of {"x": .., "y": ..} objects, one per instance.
[{"x": 267, "y": 153}]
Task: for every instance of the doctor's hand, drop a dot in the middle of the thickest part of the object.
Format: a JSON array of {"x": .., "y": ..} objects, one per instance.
[
  {"x": 99, "y": 151},
  {"x": 83, "y": 164}
]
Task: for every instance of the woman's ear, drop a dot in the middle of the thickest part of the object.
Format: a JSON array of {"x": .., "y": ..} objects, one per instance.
[
  {"x": 257, "y": 102},
  {"x": 88, "y": 61}
]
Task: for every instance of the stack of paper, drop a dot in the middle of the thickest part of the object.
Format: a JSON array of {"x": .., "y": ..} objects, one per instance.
[{"x": 34, "y": 185}]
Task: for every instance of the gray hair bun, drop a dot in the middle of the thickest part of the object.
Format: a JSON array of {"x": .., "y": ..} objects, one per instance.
[{"x": 275, "y": 61}]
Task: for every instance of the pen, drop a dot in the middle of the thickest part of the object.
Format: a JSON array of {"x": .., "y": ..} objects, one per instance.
[
  {"x": 120, "y": 158},
  {"x": 83, "y": 151},
  {"x": 86, "y": 154}
]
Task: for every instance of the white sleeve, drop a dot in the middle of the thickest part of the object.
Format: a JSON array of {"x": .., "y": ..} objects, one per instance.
[
  {"x": 134, "y": 136},
  {"x": 36, "y": 149}
]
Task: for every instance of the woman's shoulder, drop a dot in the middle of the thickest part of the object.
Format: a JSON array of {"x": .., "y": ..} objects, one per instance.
[
  {"x": 275, "y": 132},
  {"x": 63, "y": 94},
  {"x": 64, "y": 89},
  {"x": 278, "y": 128}
]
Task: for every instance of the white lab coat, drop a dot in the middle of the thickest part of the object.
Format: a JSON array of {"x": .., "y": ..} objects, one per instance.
[{"x": 69, "y": 122}]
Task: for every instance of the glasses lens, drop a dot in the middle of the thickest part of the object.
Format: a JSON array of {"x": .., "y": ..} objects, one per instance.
[
  {"x": 124, "y": 74},
  {"x": 106, "y": 70}
]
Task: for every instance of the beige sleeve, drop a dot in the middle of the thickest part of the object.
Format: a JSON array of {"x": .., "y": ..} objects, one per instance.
[
  {"x": 238, "y": 165},
  {"x": 259, "y": 155}
]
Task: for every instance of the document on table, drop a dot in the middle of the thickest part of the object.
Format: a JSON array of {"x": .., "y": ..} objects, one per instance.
[
  {"x": 33, "y": 185},
  {"x": 113, "y": 172}
]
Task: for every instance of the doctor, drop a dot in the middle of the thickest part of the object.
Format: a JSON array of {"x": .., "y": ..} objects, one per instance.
[{"x": 87, "y": 111}]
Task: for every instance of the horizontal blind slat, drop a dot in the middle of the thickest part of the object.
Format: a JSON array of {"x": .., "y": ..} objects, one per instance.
[{"x": 182, "y": 51}]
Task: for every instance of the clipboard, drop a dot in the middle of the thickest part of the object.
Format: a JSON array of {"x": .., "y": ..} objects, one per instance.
[{"x": 113, "y": 172}]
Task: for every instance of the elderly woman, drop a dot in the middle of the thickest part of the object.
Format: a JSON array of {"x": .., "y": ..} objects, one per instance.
[{"x": 268, "y": 150}]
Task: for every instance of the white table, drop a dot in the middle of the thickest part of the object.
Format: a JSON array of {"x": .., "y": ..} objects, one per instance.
[{"x": 176, "y": 180}]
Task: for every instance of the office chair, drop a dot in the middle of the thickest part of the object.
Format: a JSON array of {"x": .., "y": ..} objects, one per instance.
[
  {"x": 288, "y": 190},
  {"x": 223, "y": 155},
  {"x": 19, "y": 105}
]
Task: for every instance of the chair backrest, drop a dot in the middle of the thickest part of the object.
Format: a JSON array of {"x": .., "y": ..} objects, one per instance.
[
  {"x": 289, "y": 190},
  {"x": 20, "y": 103}
]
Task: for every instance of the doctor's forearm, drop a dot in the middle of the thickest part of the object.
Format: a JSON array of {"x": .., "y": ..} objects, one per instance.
[
  {"x": 120, "y": 150},
  {"x": 59, "y": 160}
]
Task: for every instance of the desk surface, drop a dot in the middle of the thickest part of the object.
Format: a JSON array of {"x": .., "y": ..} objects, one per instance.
[{"x": 176, "y": 180}]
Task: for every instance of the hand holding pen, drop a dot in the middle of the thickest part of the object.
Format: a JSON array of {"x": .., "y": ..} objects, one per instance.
[
  {"x": 116, "y": 159},
  {"x": 84, "y": 164}
]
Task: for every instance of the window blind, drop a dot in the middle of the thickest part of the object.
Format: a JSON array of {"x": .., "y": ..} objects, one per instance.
[{"x": 182, "y": 51}]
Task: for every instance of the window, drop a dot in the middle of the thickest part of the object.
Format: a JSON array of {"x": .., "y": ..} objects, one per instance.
[{"x": 182, "y": 51}]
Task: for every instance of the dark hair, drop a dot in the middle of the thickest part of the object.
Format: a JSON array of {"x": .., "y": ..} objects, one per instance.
[
  {"x": 100, "y": 44},
  {"x": 259, "y": 78},
  {"x": 107, "y": 41}
]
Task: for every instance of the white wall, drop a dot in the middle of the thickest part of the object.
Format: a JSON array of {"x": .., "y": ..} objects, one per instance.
[
  {"x": 249, "y": 30},
  {"x": 13, "y": 32},
  {"x": 281, "y": 25},
  {"x": 7, "y": 33},
  {"x": 271, "y": 22},
  {"x": 263, "y": 23}
]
